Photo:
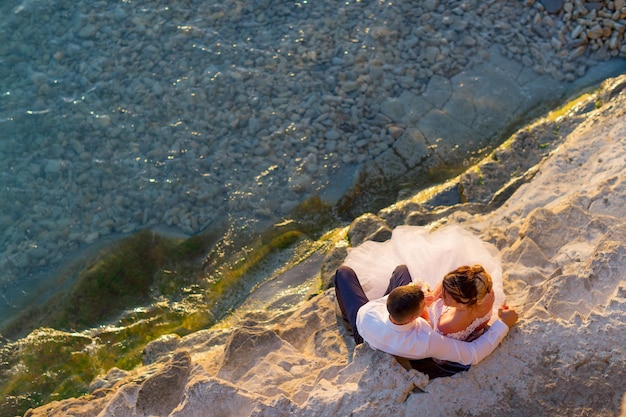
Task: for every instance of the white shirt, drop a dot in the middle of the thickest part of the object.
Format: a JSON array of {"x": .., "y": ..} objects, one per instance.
[{"x": 417, "y": 340}]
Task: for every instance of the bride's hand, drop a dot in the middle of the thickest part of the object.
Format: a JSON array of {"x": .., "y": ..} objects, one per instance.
[
  {"x": 429, "y": 298},
  {"x": 437, "y": 291},
  {"x": 508, "y": 315}
]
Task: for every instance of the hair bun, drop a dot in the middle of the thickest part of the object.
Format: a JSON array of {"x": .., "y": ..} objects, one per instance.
[{"x": 477, "y": 269}]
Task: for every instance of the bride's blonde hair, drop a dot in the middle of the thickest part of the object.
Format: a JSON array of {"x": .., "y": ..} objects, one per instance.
[{"x": 468, "y": 284}]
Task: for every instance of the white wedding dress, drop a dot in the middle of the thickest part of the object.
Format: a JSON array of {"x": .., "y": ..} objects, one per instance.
[{"x": 428, "y": 255}]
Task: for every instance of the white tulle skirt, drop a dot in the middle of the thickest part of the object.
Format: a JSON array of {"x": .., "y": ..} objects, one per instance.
[{"x": 428, "y": 255}]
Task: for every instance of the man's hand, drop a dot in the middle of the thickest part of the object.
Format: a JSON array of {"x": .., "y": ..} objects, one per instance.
[{"x": 507, "y": 315}]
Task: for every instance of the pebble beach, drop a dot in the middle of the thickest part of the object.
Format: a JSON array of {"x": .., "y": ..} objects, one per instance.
[{"x": 120, "y": 116}]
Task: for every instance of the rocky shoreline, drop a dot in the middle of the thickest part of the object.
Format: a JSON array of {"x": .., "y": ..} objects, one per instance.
[
  {"x": 140, "y": 117},
  {"x": 561, "y": 237}
]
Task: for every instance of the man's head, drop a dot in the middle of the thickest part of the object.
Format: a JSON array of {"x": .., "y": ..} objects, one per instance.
[{"x": 405, "y": 303}]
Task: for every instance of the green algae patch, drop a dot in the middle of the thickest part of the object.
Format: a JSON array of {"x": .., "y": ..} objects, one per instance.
[
  {"x": 228, "y": 274},
  {"x": 573, "y": 105},
  {"x": 116, "y": 281},
  {"x": 232, "y": 267},
  {"x": 49, "y": 364},
  {"x": 129, "y": 273},
  {"x": 314, "y": 217},
  {"x": 119, "y": 278},
  {"x": 145, "y": 286},
  {"x": 45, "y": 366}
]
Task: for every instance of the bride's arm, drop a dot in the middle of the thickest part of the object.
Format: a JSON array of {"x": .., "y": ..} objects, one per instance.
[{"x": 436, "y": 293}]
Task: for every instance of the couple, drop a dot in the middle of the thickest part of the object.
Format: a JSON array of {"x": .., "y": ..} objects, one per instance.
[{"x": 406, "y": 319}]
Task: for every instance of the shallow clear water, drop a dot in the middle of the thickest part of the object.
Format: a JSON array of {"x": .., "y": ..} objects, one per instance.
[
  {"x": 117, "y": 116},
  {"x": 107, "y": 126}
]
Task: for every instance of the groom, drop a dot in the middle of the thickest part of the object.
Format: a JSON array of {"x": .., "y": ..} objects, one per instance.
[{"x": 393, "y": 324}]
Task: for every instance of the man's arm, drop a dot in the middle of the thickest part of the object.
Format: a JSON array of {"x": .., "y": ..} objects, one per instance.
[{"x": 466, "y": 353}]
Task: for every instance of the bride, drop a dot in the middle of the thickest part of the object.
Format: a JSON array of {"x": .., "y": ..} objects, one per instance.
[
  {"x": 463, "y": 303},
  {"x": 464, "y": 272}
]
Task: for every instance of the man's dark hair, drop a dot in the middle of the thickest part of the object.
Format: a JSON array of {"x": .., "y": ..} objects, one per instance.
[{"x": 404, "y": 302}]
